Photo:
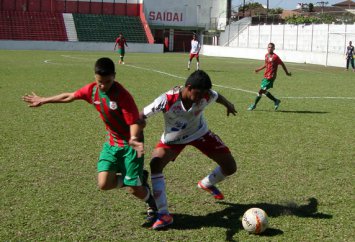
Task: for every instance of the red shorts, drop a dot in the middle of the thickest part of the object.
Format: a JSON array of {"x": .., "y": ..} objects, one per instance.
[
  {"x": 193, "y": 55},
  {"x": 208, "y": 144}
]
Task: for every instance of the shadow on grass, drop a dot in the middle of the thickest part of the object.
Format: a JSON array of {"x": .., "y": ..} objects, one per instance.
[{"x": 230, "y": 217}]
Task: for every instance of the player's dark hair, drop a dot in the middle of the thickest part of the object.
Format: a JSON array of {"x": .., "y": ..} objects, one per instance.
[
  {"x": 104, "y": 67},
  {"x": 273, "y": 45},
  {"x": 199, "y": 80}
]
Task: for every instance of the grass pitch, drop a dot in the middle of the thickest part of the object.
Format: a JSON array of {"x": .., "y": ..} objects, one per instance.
[{"x": 297, "y": 163}]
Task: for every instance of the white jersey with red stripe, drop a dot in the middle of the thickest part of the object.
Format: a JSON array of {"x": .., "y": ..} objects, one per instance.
[{"x": 181, "y": 126}]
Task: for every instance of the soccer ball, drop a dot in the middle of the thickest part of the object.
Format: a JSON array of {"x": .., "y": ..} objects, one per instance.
[{"x": 255, "y": 221}]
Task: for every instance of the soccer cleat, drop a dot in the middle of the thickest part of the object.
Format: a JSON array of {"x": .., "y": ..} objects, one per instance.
[
  {"x": 163, "y": 220},
  {"x": 277, "y": 104},
  {"x": 251, "y": 107},
  {"x": 151, "y": 214},
  {"x": 217, "y": 194},
  {"x": 122, "y": 62}
]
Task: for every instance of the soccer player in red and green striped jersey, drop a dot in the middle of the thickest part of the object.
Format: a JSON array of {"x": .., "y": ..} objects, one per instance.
[
  {"x": 122, "y": 153},
  {"x": 120, "y": 43},
  {"x": 271, "y": 63}
]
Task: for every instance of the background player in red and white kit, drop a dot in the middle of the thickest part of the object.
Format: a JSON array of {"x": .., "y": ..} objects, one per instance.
[
  {"x": 120, "y": 45},
  {"x": 194, "y": 52},
  {"x": 271, "y": 63},
  {"x": 123, "y": 150},
  {"x": 185, "y": 124}
]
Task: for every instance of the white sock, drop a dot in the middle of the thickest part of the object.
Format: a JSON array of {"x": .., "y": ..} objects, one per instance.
[
  {"x": 214, "y": 177},
  {"x": 158, "y": 185},
  {"x": 188, "y": 64},
  {"x": 198, "y": 65}
]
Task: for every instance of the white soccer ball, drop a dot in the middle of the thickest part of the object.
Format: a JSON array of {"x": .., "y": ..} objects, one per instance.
[{"x": 255, "y": 220}]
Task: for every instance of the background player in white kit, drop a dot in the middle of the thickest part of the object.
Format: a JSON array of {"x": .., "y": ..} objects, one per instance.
[
  {"x": 194, "y": 52},
  {"x": 185, "y": 125}
]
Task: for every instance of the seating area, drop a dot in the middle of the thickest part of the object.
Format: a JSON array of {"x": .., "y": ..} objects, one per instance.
[
  {"x": 16, "y": 25},
  {"x": 105, "y": 28},
  {"x": 19, "y": 25}
]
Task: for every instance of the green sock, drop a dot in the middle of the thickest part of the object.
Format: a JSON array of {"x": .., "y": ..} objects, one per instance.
[
  {"x": 257, "y": 99},
  {"x": 269, "y": 95}
]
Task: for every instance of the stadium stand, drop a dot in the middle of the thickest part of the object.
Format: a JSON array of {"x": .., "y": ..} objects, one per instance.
[
  {"x": 105, "y": 28},
  {"x": 16, "y": 25}
]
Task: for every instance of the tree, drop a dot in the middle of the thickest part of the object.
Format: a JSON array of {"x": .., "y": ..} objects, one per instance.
[
  {"x": 322, "y": 18},
  {"x": 276, "y": 11},
  {"x": 250, "y": 6},
  {"x": 310, "y": 7}
]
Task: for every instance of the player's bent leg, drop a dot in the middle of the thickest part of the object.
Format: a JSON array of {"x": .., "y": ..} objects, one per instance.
[
  {"x": 107, "y": 180},
  {"x": 257, "y": 99},
  {"x": 137, "y": 191},
  {"x": 226, "y": 161},
  {"x": 161, "y": 157},
  {"x": 227, "y": 166}
]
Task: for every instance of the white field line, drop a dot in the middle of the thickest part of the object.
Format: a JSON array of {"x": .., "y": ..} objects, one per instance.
[{"x": 220, "y": 86}]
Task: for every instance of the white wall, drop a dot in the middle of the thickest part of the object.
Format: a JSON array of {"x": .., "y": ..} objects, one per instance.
[
  {"x": 88, "y": 46},
  {"x": 314, "y": 38},
  {"x": 318, "y": 58},
  {"x": 320, "y": 44},
  {"x": 184, "y": 13}
]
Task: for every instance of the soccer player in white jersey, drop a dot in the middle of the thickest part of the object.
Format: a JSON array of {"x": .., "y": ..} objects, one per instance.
[
  {"x": 185, "y": 124},
  {"x": 194, "y": 52}
]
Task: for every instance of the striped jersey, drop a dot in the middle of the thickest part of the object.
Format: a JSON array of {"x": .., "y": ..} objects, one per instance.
[
  {"x": 121, "y": 42},
  {"x": 181, "y": 126},
  {"x": 116, "y": 107},
  {"x": 272, "y": 62}
]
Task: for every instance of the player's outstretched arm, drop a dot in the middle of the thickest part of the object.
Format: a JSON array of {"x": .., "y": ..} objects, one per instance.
[
  {"x": 230, "y": 106},
  {"x": 260, "y": 68},
  {"x": 285, "y": 69},
  {"x": 35, "y": 101}
]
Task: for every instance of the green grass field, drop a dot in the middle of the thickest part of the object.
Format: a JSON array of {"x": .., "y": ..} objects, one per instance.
[{"x": 297, "y": 163}]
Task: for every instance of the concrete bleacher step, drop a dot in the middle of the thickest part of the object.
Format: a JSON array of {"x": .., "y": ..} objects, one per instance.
[{"x": 70, "y": 27}]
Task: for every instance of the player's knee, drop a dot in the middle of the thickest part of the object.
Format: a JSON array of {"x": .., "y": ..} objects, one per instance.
[
  {"x": 261, "y": 92},
  {"x": 156, "y": 165},
  {"x": 230, "y": 169},
  {"x": 104, "y": 185}
]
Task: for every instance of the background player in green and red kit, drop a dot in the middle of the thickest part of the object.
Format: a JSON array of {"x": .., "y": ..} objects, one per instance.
[
  {"x": 271, "y": 63},
  {"x": 185, "y": 125},
  {"x": 122, "y": 153},
  {"x": 120, "y": 45}
]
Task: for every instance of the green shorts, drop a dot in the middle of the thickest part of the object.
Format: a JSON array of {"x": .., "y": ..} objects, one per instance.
[
  {"x": 267, "y": 83},
  {"x": 121, "y": 51},
  {"x": 122, "y": 160}
]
